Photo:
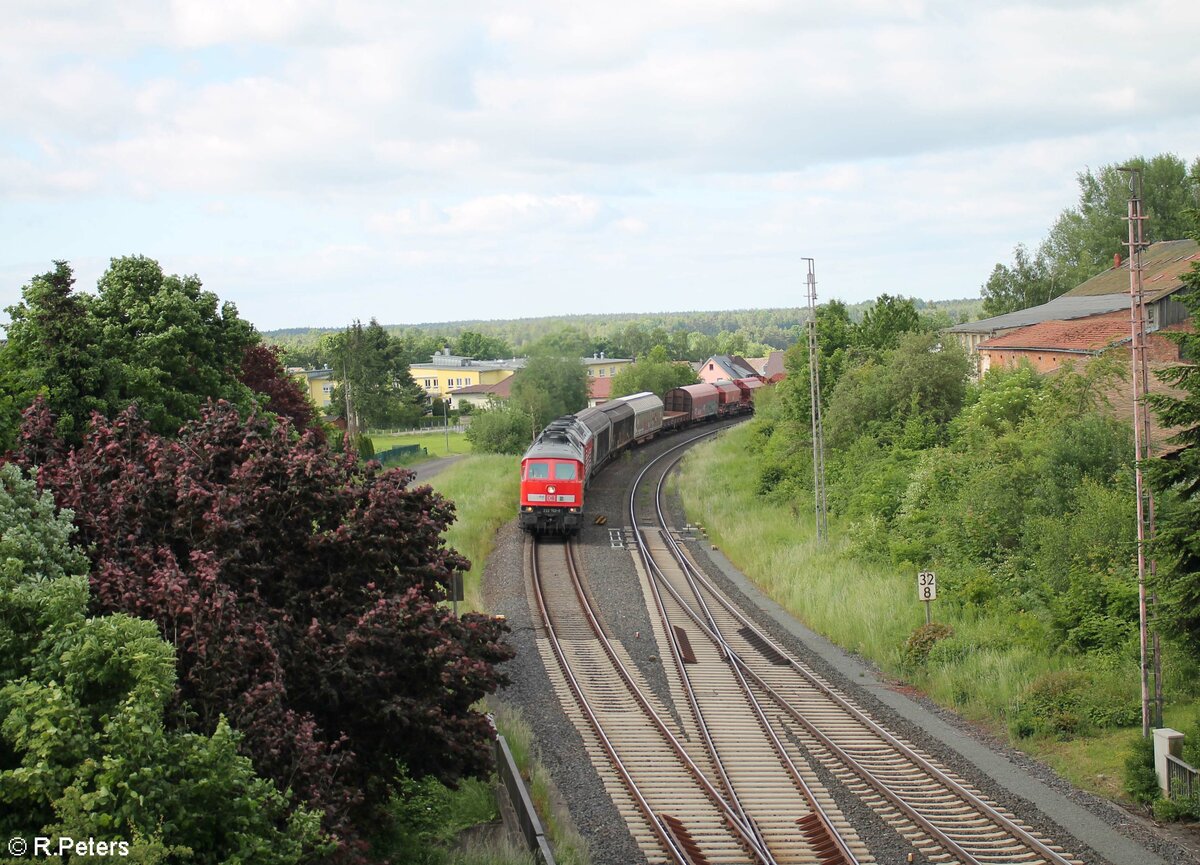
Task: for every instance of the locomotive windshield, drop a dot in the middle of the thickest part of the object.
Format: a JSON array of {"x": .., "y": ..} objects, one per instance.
[
  {"x": 564, "y": 471},
  {"x": 539, "y": 471}
]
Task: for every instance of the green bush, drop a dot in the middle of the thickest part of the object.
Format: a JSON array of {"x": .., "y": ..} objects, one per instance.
[
  {"x": 500, "y": 430},
  {"x": 1172, "y": 810},
  {"x": 85, "y": 747},
  {"x": 1141, "y": 783},
  {"x": 921, "y": 642},
  {"x": 1054, "y": 704}
]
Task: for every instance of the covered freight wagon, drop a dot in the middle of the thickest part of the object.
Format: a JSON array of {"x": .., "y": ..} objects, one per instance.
[
  {"x": 748, "y": 387},
  {"x": 696, "y": 401},
  {"x": 600, "y": 427},
  {"x": 620, "y": 415},
  {"x": 647, "y": 414},
  {"x": 729, "y": 397}
]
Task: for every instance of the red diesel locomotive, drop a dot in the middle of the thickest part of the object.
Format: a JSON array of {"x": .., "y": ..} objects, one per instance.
[{"x": 568, "y": 453}]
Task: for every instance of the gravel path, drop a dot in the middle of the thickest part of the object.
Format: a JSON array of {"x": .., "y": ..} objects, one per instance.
[{"x": 1007, "y": 776}]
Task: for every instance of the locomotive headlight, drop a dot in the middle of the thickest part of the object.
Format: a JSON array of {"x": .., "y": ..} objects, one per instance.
[{"x": 550, "y": 490}]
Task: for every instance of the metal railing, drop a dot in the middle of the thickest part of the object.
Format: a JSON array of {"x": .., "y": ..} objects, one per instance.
[
  {"x": 424, "y": 429},
  {"x": 1183, "y": 779},
  {"x": 527, "y": 818}
]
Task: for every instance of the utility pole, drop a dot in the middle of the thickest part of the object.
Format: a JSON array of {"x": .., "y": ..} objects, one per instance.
[
  {"x": 1149, "y": 654},
  {"x": 814, "y": 392}
]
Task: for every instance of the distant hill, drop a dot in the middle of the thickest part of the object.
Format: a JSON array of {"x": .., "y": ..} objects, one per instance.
[{"x": 769, "y": 326}]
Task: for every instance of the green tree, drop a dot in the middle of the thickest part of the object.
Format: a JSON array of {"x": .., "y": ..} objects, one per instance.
[
  {"x": 920, "y": 382},
  {"x": 656, "y": 373},
  {"x": 1023, "y": 284},
  {"x": 1084, "y": 238},
  {"x": 569, "y": 341},
  {"x": 481, "y": 347},
  {"x": 375, "y": 388},
  {"x": 700, "y": 346},
  {"x": 885, "y": 321},
  {"x": 500, "y": 429},
  {"x": 550, "y": 386},
  {"x": 51, "y": 350},
  {"x": 1176, "y": 477},
  {"x": 166, "y": 344},
  {"x": 160, "y": 341}
]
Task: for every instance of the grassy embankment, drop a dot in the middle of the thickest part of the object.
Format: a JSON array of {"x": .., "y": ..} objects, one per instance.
[
  {"x": 484, "y": 489},
  {"x": 871, "y": 609}
]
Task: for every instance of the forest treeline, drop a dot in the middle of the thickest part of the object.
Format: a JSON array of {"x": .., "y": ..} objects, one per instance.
[{"x": 684, "y": 335}]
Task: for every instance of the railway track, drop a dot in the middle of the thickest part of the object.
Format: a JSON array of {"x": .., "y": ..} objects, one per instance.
[
  {"x": 709, "y": 782},
  {"x": 683, "y": 816},
  {"x": 811, "y": 722}
]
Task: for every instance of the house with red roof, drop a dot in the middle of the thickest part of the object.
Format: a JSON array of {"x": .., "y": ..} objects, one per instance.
[
  {"x": 480, "y": 395},
  {"x": 1101, "y": 300},
  {"x": 726, "y": 366}
]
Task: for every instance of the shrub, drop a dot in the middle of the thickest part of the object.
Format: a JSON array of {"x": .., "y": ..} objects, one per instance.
[
  {"x": 1053, "y": 703},
  {"x": 921, "y": 642},
  {"x": 85, "y": 749},
  {"x": 1141, "y": 783},
  {"x": 303, "y": 594}
]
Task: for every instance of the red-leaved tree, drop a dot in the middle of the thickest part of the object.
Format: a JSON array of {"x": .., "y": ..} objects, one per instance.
[
  {"x": 302, "y": 593},
  {"x": 263, "y": 372}
]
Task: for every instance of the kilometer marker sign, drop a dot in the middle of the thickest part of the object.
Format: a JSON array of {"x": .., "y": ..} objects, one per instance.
[{"x": 927, "y": 591}]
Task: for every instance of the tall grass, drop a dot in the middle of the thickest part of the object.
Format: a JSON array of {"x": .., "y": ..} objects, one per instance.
[
  {"x": 485, "y": 489},
  {"x": 990, "y": 670},
  {"x": 868, "y": 608}
]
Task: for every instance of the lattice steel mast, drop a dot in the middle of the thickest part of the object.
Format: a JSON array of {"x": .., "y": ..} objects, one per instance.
[
  {"x": 814, "y": 393},
  {"x": 1150, "y": 665}
]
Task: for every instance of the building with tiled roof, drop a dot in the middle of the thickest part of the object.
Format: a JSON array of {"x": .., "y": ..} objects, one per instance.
[
  {"x": 771, "y": 367},
  {"x": 1163, "y": 266},
  {"x": 479, "y": 395},
  {"x": 446, "y": 372},
  {"x": 1048, "y": 344},
  {"x": 599, "y": 391},
  {"x": 317, "y": 383},
  {"x": 726, "y": 366}
]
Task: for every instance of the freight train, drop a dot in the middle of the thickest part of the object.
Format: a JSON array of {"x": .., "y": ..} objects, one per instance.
[{"x": 568, "y": 453}]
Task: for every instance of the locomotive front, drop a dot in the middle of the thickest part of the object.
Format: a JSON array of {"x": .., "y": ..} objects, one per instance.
[{"x": 552, "y": 480}]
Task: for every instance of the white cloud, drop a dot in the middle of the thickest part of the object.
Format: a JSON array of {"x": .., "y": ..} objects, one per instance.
[
  {"x": 476, "y": 144},
  {"x": 495, "y": 214}
]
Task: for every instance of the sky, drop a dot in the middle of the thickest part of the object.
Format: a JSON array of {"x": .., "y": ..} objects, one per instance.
[{"x": 316, "y": 162}]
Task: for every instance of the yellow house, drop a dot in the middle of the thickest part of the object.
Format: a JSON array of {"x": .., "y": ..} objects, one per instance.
[
  {"x": 599, "y": 366},
  {"x": 446, "y": 372},
  {"x": 317, "y": 383}
]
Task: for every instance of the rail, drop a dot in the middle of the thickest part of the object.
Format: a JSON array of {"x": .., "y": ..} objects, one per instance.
[
  {"x": 919, "y": 762},
  {"x": 527, "y": 818},
  {"x": 1183, "y": 779},
  {"x": 818, "y": 828}
]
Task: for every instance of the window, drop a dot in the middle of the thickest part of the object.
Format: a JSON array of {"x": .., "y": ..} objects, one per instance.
[
  {"x": 538, "y": 472},
  {"x": 612, "y": 370},
  {"x": 710, "y": 366},
  {"x": 564, "y": 471},
  {"x": 327, "y": 388},
  {"x": 591, "y": 371},
  {"x": 601, "y": 372}
]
